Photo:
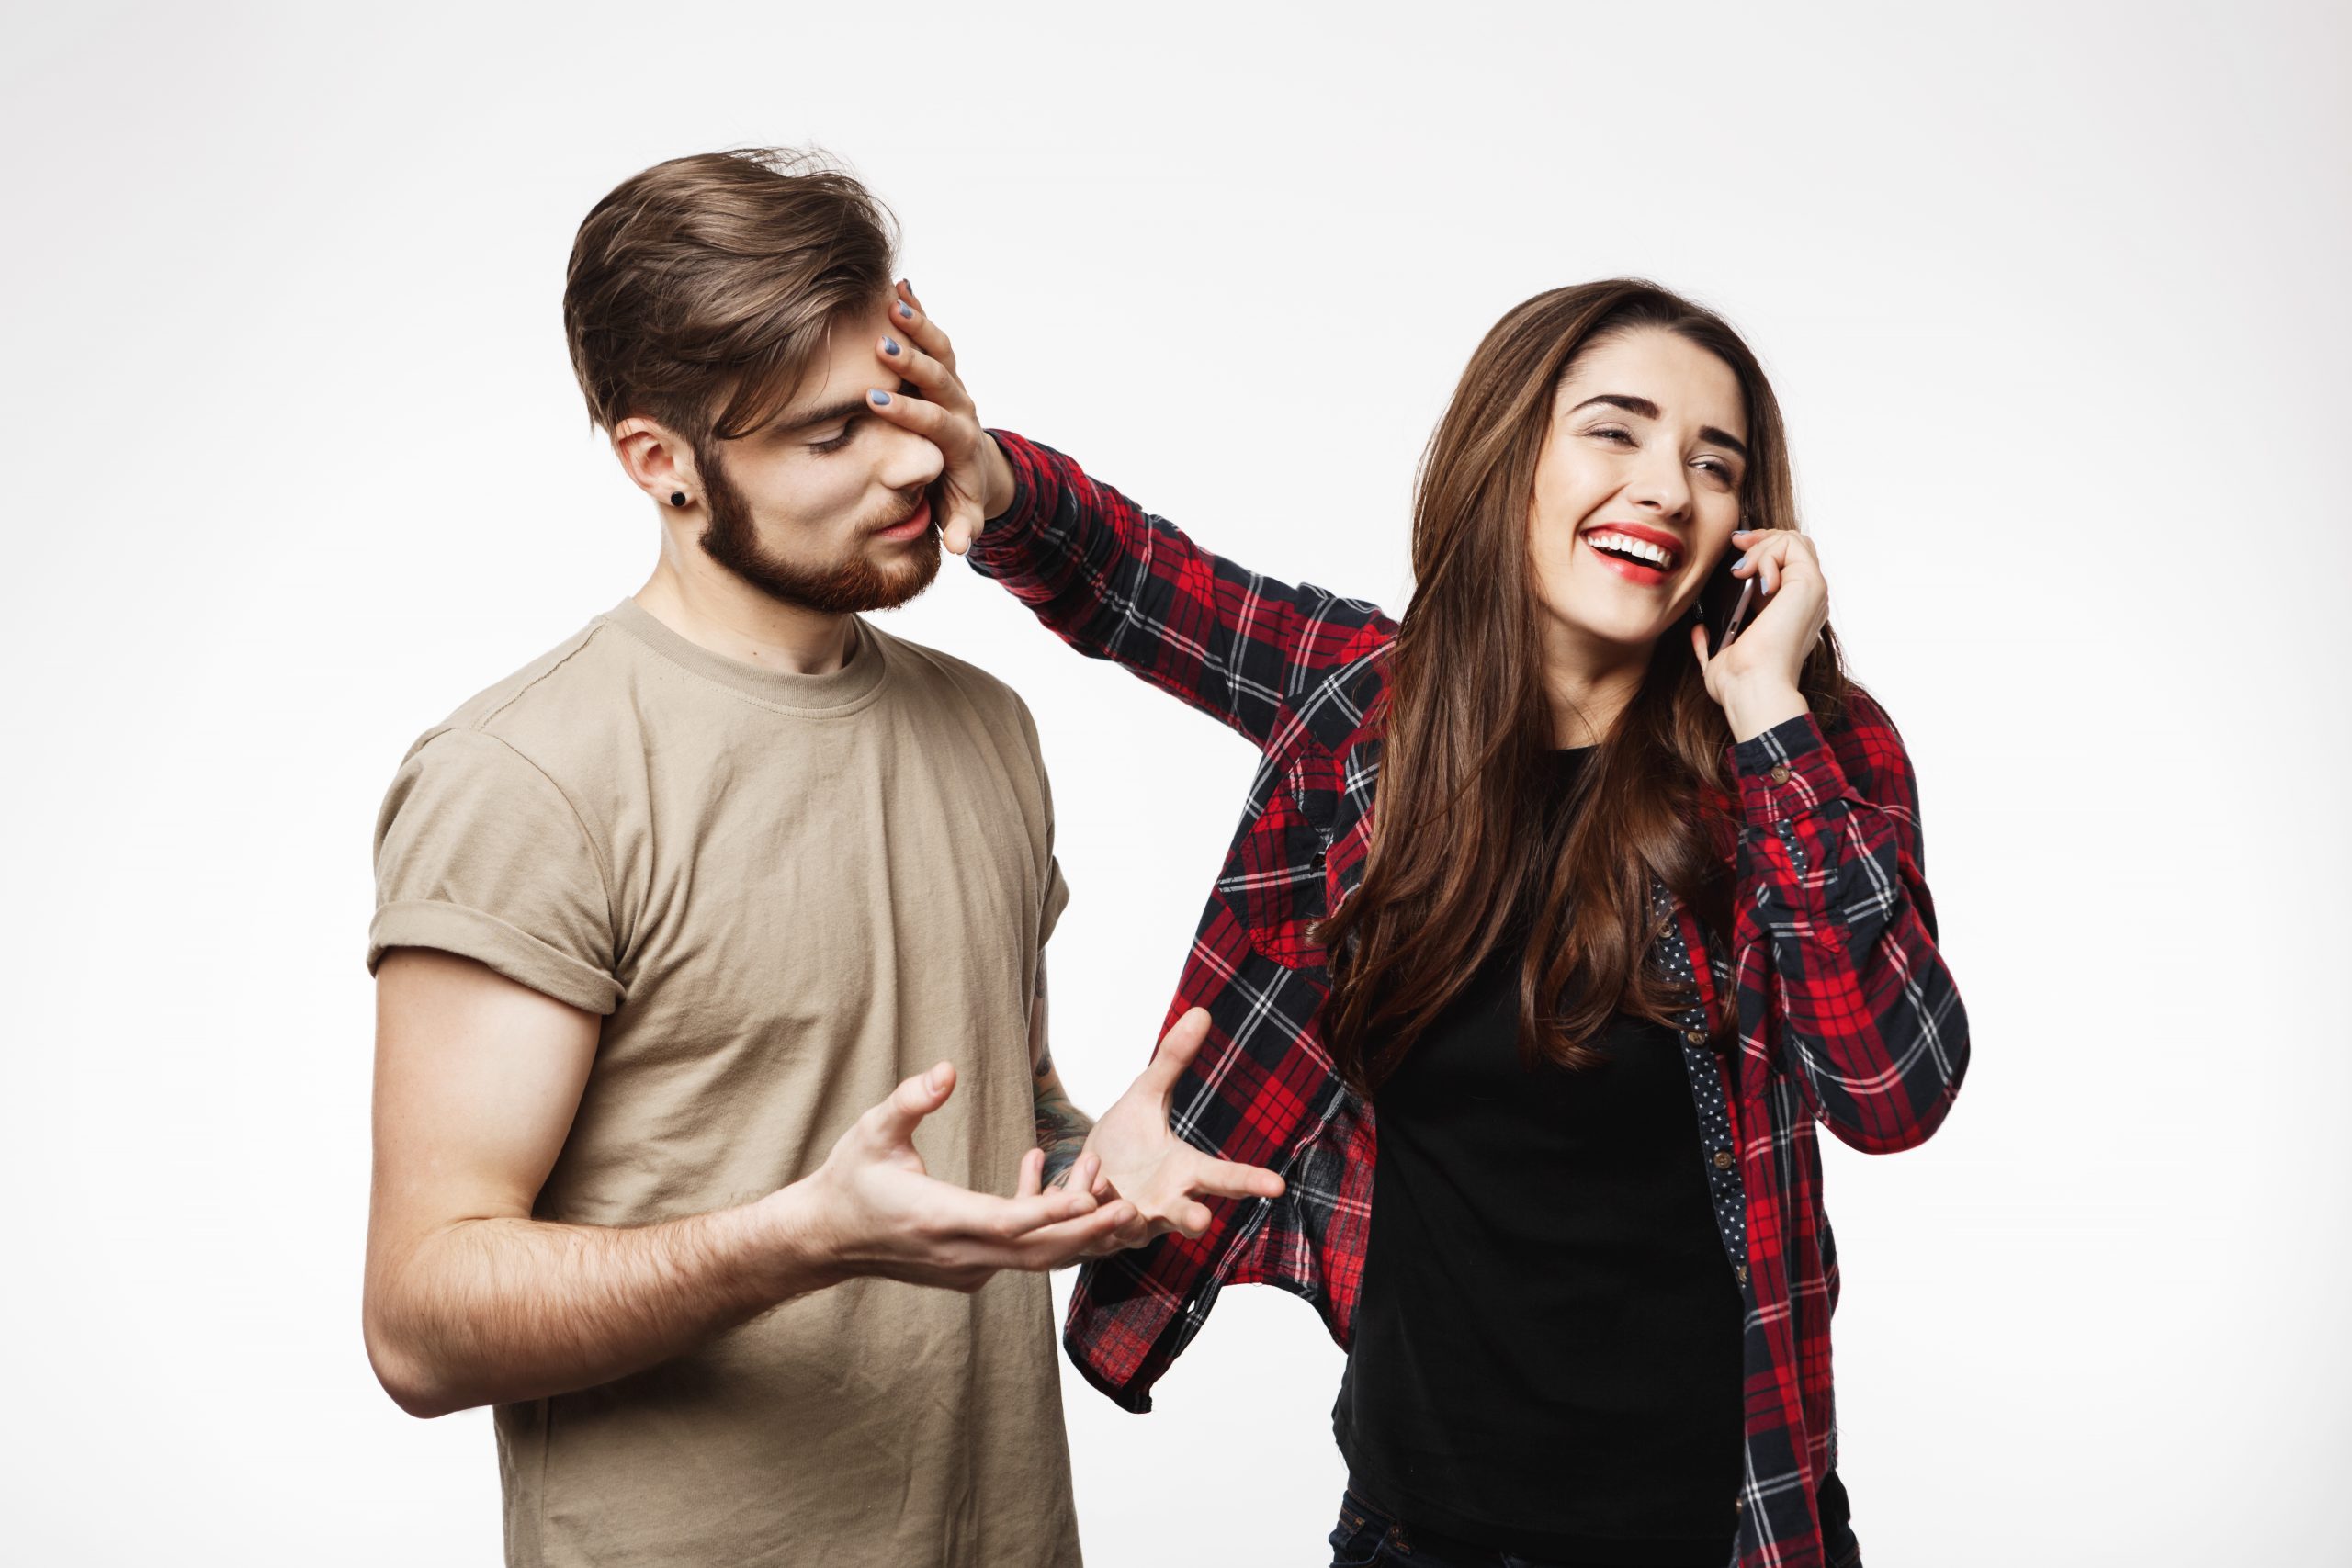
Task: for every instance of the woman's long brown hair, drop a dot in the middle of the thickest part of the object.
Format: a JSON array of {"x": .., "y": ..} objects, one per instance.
[{"x": 1461, "y": 852}]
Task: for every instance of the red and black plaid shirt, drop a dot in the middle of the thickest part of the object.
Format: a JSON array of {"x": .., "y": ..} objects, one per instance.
[{"x": 1844, "y": 1011}]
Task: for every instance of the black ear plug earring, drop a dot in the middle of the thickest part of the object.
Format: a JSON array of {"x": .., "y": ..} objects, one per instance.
[{"x": 677, "y": 498}]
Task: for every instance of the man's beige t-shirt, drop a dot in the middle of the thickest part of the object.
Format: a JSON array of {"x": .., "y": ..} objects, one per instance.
[{"x": 785, "y": 894}]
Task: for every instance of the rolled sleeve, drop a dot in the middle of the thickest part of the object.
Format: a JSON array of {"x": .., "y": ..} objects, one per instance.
[
  {"x": 481, "y": 854},
  {"x": 1057, "y": 899},
  {"x": 511, "y": 950}
]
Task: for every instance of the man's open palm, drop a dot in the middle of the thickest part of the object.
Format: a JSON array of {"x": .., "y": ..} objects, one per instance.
[
  {"x": 886, "y": 1215},
  {"x": 1144, "y": 1162}
]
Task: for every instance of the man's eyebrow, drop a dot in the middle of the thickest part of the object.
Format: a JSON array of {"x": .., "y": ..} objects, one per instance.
[
  {"x": 788, "y": 422},
  {"x": 1648, "y": 410}
]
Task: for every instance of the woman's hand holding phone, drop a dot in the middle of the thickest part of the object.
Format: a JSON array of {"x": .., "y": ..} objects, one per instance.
[{"x": 1755, "y": 676}]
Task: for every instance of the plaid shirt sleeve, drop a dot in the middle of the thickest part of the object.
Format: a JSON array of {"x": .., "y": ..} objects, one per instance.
[
  {"x": 1836, "y": 933},
  {"x": 1116, "y": 583}
]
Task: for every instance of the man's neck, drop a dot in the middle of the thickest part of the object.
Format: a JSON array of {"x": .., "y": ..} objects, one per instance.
[{"x": 717, "y": 611}]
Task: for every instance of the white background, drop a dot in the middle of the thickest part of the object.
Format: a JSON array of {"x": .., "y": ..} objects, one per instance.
[{"x": 2055, "y": 299}]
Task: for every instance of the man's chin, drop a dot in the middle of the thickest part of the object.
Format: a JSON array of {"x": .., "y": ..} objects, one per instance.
[{"x": 907, "y": 569}]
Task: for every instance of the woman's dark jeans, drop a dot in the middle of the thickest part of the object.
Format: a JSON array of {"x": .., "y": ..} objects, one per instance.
[{"x": 1367, "y": 1536}]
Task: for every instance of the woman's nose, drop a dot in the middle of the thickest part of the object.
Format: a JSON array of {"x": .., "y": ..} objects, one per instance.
[{"x": 1662, "y": 486}]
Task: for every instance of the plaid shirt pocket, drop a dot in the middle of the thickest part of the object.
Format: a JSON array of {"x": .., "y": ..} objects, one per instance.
[{"x": 1274, "y": 875}]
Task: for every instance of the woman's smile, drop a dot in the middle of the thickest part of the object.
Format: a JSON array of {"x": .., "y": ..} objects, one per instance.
[{"x": 1642, "y": 555}]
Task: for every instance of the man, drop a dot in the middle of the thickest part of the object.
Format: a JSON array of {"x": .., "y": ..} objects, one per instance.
[{"x": 692, "y": 930}]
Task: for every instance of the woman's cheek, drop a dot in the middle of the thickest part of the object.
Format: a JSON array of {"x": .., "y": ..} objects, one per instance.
[{"x": 1554, "y": 560}]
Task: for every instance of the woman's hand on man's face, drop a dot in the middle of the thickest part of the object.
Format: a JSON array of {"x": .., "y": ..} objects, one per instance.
[
  {"x": 976, "y": 483},
  {"x": 1755, "y": 678}
]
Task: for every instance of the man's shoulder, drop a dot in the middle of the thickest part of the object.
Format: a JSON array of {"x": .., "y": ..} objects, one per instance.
[
  {"x": 556, "y": 707},
  {"x": 931, "y": 674}
]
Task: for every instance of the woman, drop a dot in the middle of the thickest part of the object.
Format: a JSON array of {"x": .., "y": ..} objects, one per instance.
[{"x": 1587, "y": 911}]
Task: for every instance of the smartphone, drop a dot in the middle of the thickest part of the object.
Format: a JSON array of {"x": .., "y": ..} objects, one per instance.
[{"x": 1725, "y": 604}]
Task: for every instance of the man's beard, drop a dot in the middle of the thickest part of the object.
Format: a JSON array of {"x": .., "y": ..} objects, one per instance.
[{"x": 846, "y": 587}]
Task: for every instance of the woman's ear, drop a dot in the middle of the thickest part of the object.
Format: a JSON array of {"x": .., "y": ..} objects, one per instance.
[{"x": 656, "y": 461}]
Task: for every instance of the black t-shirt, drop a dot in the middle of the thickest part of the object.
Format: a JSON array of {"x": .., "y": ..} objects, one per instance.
[{"x": 1546, "y": 1356}]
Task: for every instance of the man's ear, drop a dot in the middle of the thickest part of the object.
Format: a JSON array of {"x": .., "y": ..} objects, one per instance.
[{"x": 656, "y": 461}]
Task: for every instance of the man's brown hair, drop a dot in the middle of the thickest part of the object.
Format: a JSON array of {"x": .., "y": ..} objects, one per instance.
[{"x": 716, "y": 276}]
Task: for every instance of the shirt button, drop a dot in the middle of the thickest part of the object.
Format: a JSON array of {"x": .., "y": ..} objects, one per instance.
[
  {"x": 1723, "y": 1159},
  {"x": 1779, "y": 774},
  {"x": 1737, "y": 1504},
  {"x": 1696, "y": 1036},
  {"x": 1741, "y": 1272}
]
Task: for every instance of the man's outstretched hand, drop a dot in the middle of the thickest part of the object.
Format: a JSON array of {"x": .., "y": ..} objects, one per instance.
[
  {"x": 1145, "y": 1164},
  {"x": 872, "y": 1209}
]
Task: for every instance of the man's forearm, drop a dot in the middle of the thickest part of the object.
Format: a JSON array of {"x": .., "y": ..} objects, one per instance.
[
  {"x": 1061, "y": 1127},
  {"x": 487, "y": 1311}
]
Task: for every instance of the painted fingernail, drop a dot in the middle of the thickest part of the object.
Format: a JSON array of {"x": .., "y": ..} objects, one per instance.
[
  {"x": 890, "y": 346},
  {"x": 879, "y": 396},
  {"x": 906, "y": 312}
]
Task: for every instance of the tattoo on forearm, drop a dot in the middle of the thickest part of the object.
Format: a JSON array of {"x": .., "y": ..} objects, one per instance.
[{"x": 1061, "y": 1133}]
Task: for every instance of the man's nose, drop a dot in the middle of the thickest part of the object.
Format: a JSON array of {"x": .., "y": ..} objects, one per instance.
[{"x": 909, "y": 460}]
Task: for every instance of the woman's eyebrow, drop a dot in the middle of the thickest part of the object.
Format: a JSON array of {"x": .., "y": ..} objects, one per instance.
[
  {"x": 1641, "y": 406},
  {"x": 1648, "y": 410}
]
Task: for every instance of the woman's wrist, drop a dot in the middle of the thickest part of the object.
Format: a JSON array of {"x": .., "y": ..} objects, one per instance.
[
  {"x": 998, "y": 486},
  {"x": 1752, "y": 712}
]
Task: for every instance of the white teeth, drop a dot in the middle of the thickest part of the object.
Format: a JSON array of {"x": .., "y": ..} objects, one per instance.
[{"x": 1656, "y": 554}]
